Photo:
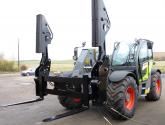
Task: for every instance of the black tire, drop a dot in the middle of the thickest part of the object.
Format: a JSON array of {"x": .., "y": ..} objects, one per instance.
[
  {"x": 117, "y": 99},
  {"x": 154, "y": 94},
  {"x": 70, "y": 102}
]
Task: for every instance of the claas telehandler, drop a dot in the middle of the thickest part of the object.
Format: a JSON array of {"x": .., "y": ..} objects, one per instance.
[{"x": 115, "y": 83}]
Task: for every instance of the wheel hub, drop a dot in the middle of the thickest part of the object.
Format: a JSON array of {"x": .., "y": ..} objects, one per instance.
[
  {"x": 129, "y": 98},
  {"x": 158, "y": 86},
  {"x": 77, "y": 100}
]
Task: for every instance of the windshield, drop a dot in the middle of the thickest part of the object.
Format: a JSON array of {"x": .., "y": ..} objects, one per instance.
[
  {"x": 82, "y": 55},
  {"x": 124, "y": 54},
  {"x": 86, "y": 60}
]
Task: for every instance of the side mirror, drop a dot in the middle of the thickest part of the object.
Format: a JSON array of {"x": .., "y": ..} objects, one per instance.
[
  {"x": 74, "y": 58},
  {"x": 83, "y": 44},
  {"x": 149, "y": 45},
  {"x": 116, "y": 44},
  {"x": 132, "y": 56}
]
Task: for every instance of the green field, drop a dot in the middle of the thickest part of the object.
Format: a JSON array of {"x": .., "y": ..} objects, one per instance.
[
  {"x": 64, "y": 65},
  {"x": 67, "y": 65},
  {"x": 160, "y": 65},
  {"x": 56, "y": 66}
]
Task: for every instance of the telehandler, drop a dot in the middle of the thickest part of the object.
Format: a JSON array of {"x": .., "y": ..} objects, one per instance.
[{"x": 115, "y": 83}]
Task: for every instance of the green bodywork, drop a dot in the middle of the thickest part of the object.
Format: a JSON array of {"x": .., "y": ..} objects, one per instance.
[{"x": 147, "y": 71}]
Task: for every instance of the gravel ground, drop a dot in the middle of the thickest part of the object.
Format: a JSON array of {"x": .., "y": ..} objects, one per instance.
[{"x": 14, "y": 88}]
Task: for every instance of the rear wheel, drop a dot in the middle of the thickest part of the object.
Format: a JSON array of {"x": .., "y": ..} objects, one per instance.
[
  {"x": 122, "y": 98},
  {"x": 70, "y": 102},
  {"x": 156, "y": 87}
]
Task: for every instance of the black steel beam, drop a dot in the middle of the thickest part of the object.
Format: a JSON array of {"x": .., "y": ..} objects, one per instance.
[
  {"x": 64, "y": 80},
  {"x": 64, "y": 93}
]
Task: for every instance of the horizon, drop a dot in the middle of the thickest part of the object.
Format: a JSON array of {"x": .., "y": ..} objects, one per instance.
[{"x": 59, "y": 59}]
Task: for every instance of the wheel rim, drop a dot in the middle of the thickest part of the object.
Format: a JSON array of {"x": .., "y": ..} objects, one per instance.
[
  {"x": 76, "y": 100},
  {"x": 130, "y": 98},
  {"x": 158, "y": 86}
]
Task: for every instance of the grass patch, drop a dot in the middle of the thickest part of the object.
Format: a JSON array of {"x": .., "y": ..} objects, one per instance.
[
  {"x": 30, "y": 63},
  {"x": 7, "y": 66},
  {"x": 56, "y": 66},
  {"x": 62, "y": 66}
]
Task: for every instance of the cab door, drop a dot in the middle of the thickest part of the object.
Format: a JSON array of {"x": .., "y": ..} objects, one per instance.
[{"x": 144, "y": 63}]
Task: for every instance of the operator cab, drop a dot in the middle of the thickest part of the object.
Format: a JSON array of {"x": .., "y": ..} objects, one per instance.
[{"x": 136, "y": 57}]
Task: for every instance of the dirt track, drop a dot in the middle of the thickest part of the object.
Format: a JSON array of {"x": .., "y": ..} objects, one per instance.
[{"x": 14, "y": 88}]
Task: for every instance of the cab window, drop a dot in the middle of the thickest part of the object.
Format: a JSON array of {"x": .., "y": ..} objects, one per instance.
[
  {"x": 150, "y": 55},
  {"x": 143, "y": 52}
]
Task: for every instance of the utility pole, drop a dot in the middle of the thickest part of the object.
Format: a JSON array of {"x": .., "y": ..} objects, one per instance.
[{"x": 18, "y": 57}]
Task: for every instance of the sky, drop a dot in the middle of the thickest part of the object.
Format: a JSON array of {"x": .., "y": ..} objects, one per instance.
[{"x": 70, "y": 21}]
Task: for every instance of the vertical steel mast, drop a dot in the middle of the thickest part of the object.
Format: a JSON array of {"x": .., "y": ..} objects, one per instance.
[{"x": 100, "y": 26}]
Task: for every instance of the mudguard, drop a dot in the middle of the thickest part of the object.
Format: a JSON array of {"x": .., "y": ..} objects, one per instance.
[{"x": 117, "y": 76}]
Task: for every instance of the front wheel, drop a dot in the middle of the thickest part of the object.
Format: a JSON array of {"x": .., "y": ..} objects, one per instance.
[
  {"x": 122, "y": 98},
  {"x": 70, "y": 102},
  {"x": 156, "y": 87}
]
